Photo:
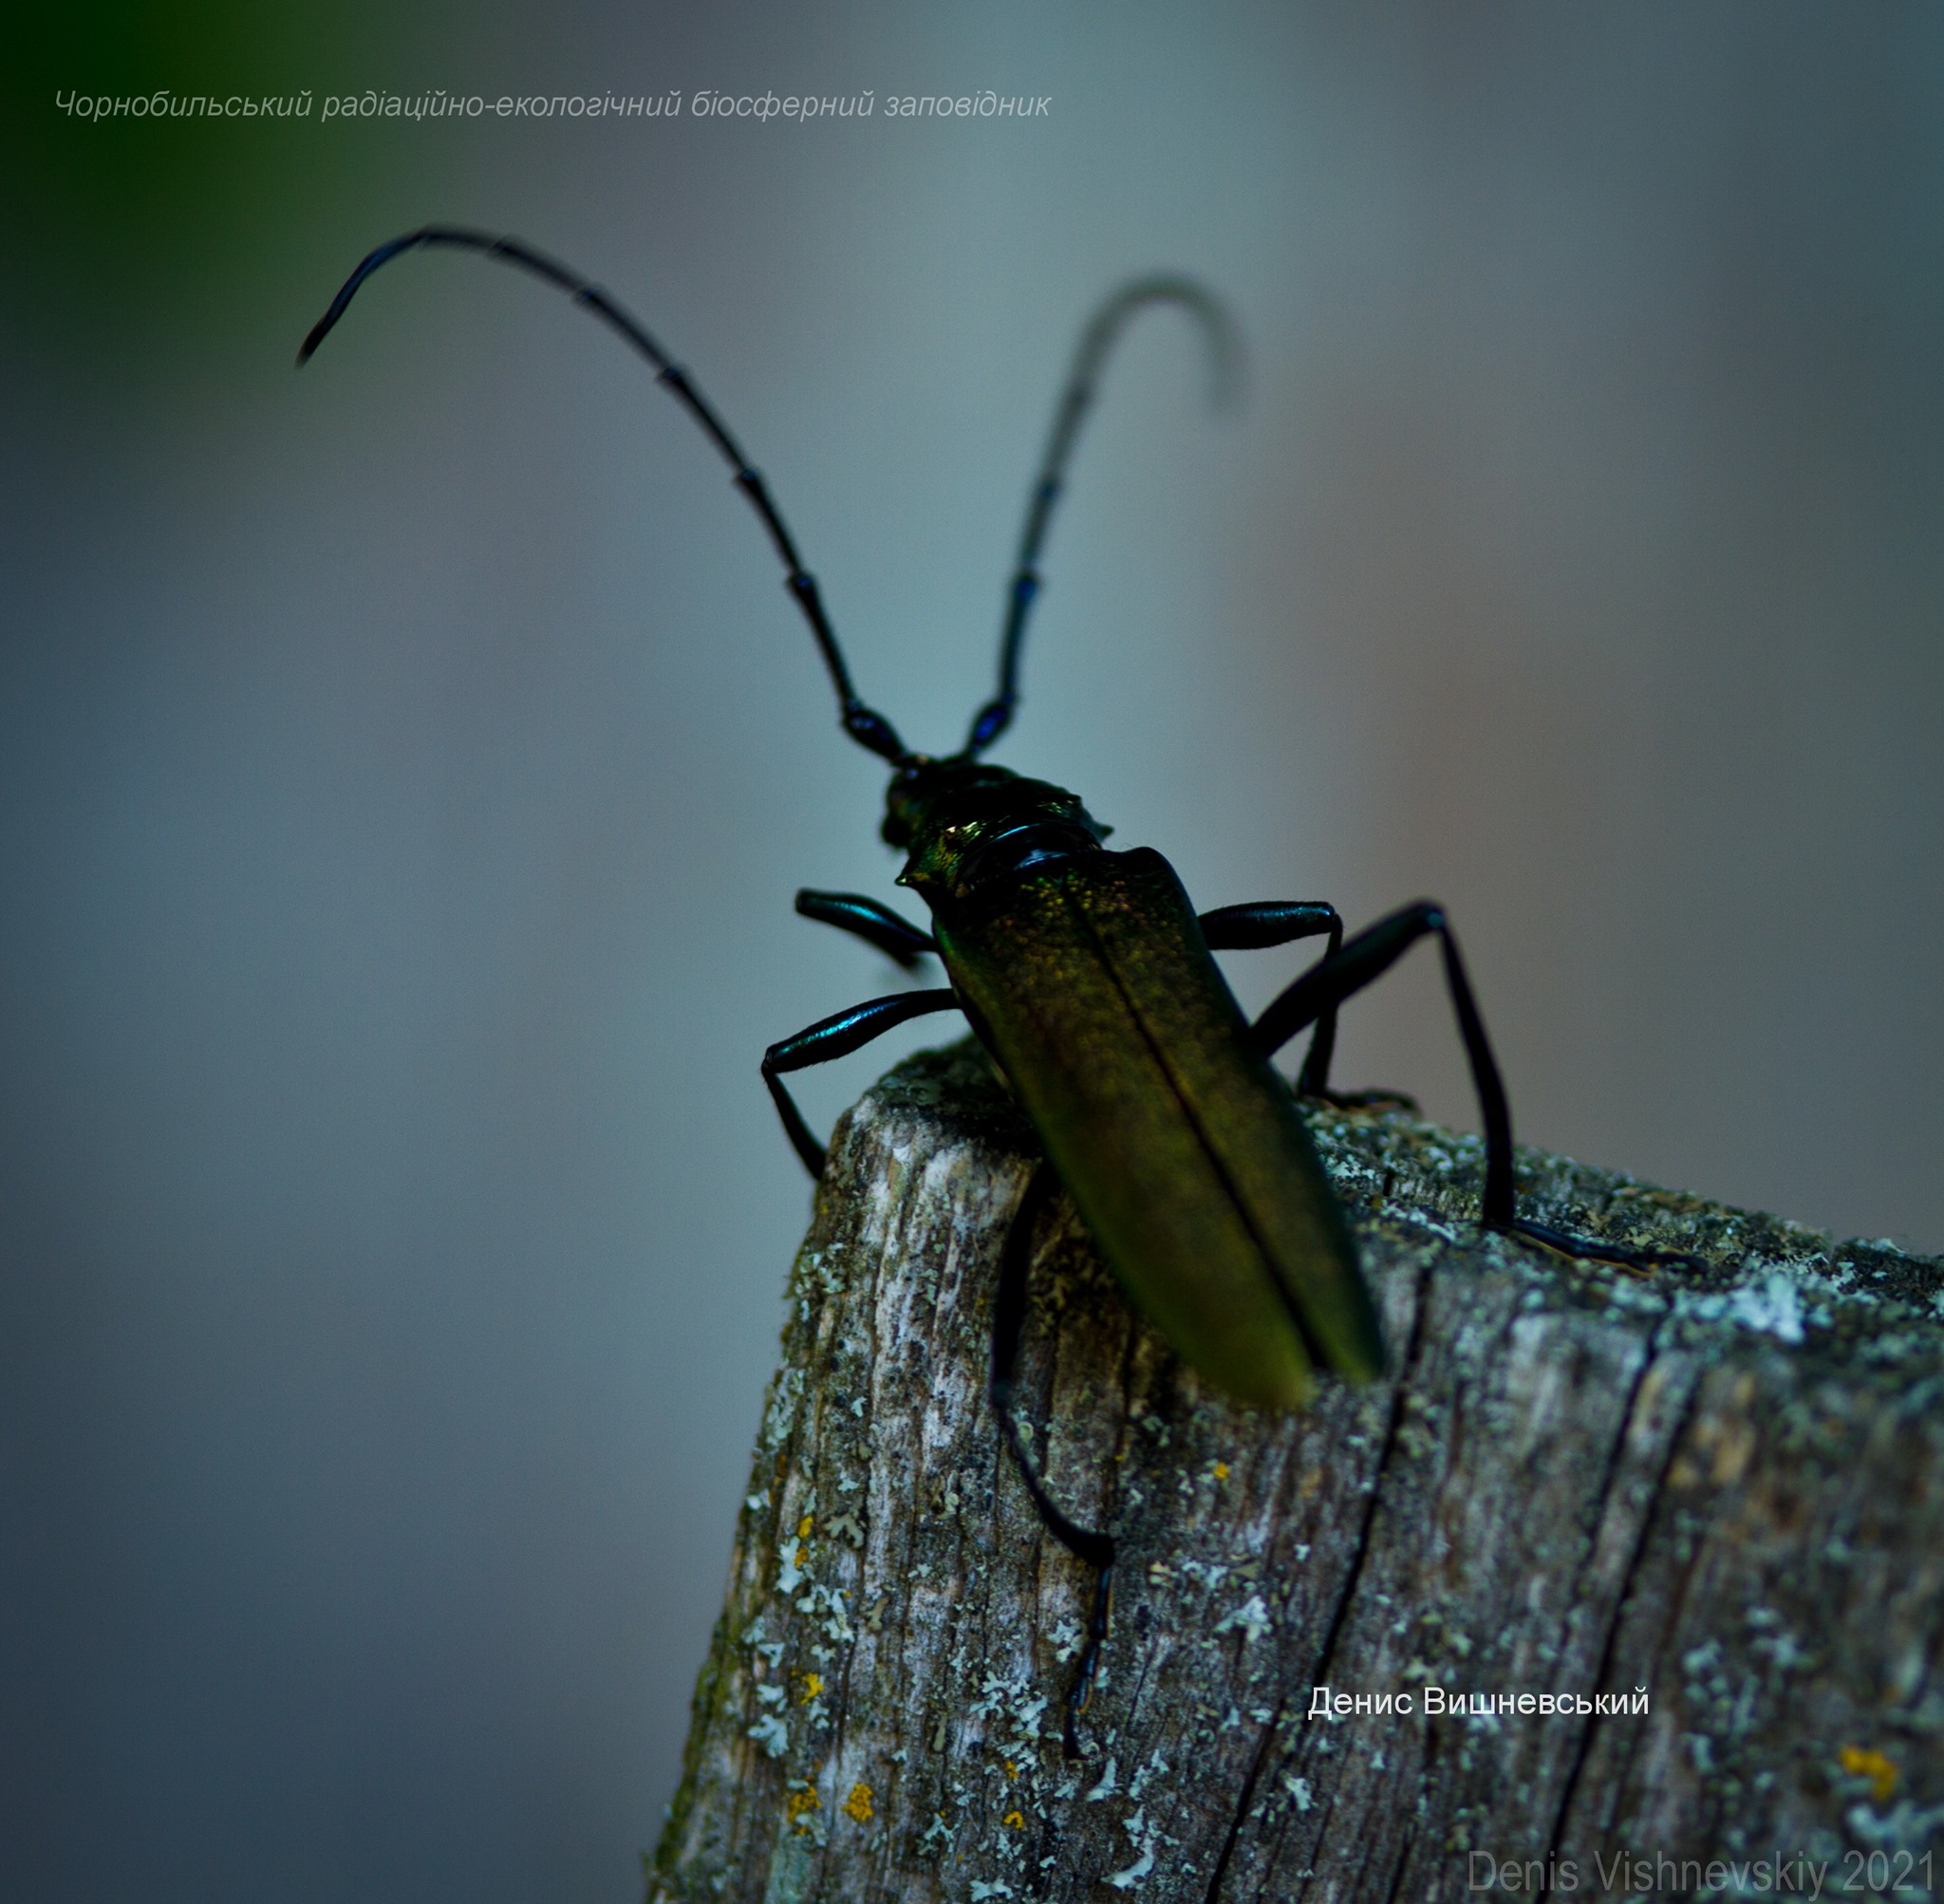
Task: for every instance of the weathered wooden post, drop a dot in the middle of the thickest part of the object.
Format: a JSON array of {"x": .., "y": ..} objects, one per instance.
[{"x": 1616, "y": 1584}]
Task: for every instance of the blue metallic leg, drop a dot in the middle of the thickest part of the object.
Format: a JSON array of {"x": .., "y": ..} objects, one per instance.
[
  {"x": 1279, "y": 922},
  {"x": 1091, "y": 1550},
  {"x": 836, "y": 1037},
  {"x": 1367, "y": 958},
  {"x": 876, "y": 925}
]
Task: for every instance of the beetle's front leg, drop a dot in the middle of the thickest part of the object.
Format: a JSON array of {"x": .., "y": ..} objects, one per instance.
[
  {"x": 1093, "y": 1550},
  {"x": 1264, "y": 923},
  {"x": 835, "y": 1037},
  {"x": 1367, "y": 958},
  {"x": 894, "y": 936}
]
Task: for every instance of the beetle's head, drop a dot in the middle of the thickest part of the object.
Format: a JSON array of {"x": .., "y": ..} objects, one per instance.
[{"x": 950, "y": 815}]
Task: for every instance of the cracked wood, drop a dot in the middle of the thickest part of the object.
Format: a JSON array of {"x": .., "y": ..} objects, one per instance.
[{"x": 1723, "y": 1490}]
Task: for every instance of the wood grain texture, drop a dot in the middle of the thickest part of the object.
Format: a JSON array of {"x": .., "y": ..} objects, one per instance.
[{"x": 1720, "y": 1491}]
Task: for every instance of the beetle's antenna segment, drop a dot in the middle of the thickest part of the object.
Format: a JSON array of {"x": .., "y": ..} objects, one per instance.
[
  {"x": 864, "y": 724},
  {"x": 1224, "y": 339}
]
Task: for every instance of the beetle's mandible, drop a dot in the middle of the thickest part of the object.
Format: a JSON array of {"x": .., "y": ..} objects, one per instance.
[{"x": 1087, "y": 975}]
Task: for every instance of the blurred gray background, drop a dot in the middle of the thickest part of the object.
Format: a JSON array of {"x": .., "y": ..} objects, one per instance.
[{"x": 405, "y": 767}]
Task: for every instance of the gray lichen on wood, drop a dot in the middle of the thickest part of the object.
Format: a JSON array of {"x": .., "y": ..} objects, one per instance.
[{"x": 1721, "y": 1492}]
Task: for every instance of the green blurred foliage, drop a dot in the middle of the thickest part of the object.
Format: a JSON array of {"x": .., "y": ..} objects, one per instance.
[{"x": 144, "y": 234}]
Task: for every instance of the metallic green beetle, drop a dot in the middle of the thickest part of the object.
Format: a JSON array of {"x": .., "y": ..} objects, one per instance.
[{"x": 1087, "y": 975}]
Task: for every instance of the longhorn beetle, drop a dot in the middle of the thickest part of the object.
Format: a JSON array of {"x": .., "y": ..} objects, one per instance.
[{"x": 1086, "y": 974}]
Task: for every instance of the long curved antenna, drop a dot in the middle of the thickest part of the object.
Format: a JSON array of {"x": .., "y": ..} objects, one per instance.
[
  {"x": 864, "y": 724},
  {"x": 1103, "y": 329}
]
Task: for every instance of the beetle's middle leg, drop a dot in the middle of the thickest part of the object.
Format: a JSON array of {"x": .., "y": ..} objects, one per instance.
[
  {"x": 1091, "y": 1550},
  {"x": 1367, "y": 958},
  {"x": 838, "y": 1037},
  {"x": 1264, "y": 923}
]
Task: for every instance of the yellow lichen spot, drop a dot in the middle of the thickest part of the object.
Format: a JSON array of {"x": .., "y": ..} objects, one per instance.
[
  {"x": 1012, "y": 1770},
  {"x": 858, "y": 1805},
  {"x": 1867, "y": 1763},
  {"x": 798, "y": 1806},
  {"x": 804, "y": 1527},
  {"x": 812, "y": 1685},
  {"x": 1015, "y": 1819},
  {"x": 1219, "y": 1470}
]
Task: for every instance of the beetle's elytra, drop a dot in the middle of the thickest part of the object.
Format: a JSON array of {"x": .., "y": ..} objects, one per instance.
[{"x": 1088, "y": 975}]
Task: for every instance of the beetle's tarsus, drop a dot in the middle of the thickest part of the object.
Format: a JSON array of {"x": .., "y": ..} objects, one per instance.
[
  {"x": 1641, "y": 1261},
  {"x": 1346, "y": 969},
  {"x": 1378, "y": 1099},
  {"x": 1080, "y": 1694}
]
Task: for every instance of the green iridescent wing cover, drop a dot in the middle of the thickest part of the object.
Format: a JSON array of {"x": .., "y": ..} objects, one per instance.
[{"x": 1182, "y": 1148}]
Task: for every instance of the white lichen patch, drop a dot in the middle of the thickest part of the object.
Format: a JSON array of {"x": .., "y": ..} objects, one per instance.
[
  {"x": 1251, "y": 1619},
  {"x": 790, "y": 1572},
  {"x": 1772, "y": 1306},
  {"x": 772, "y": 1733},
  {"x": 1145, "y": 1836},
  {"x": 830, "y": 1606},
  {"x": 1016, "y": 1709},
  {"x": 781, "y": 1415},
  {"x": 1209, "y": 1573}
]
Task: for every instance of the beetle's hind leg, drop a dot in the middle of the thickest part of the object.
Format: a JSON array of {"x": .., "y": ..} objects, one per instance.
[
  {"x": 836, "y": 1037},
  {"x": 1091, "y": 1550},
  {"x": 1265, "y": 922},
  {"x": 1366, "y": 957}
]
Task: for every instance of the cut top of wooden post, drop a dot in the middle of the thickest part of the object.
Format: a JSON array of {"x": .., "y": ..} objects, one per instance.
[{"x": 1608, "y": 1568}]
